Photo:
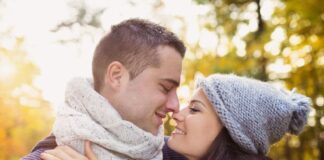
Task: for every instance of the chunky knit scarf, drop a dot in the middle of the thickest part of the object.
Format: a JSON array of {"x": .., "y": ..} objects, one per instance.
[{"x": 86, "y": 115}]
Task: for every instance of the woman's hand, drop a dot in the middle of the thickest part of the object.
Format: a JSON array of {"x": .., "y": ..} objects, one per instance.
[{"x": 67, "y": 153}]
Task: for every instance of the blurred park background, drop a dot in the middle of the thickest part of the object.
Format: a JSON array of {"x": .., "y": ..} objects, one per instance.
[{"x": 44, "y": 43}]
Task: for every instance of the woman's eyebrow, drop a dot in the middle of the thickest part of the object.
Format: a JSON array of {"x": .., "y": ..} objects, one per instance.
[{"x": 197, "y": 101}]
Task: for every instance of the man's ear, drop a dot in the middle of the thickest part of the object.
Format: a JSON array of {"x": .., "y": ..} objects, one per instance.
[{"x": 115, "y": 73}]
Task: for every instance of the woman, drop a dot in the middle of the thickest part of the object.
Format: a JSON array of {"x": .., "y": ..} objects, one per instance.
[{"x": 231, "y": 117}]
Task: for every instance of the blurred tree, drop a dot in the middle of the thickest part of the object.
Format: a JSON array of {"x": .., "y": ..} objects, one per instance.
[
  {"x": 271, "y": 40},
  {"x": 84, "y": 23},
  {"x": 24, "y": 115}
]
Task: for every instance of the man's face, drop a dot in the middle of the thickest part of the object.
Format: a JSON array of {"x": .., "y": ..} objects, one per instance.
[{"x": 147, "y": 98}]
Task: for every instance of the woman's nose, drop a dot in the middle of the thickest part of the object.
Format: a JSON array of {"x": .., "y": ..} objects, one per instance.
[{"x": 179, "y": 116}]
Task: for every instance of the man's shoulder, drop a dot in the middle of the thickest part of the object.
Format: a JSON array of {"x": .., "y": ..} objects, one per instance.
[
  {"x": 50, "y": 143},
  {"x": 45, "y": 144},
  {"x": 169, "y": 154}
]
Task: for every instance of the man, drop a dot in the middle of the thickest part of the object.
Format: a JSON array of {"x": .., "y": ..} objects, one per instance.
[{"x": 136, "y": 68}]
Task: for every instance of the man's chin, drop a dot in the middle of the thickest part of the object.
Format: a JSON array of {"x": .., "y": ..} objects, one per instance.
[
  {"x": 155, "y": 131},
  {"x": 153, "y": 128}
]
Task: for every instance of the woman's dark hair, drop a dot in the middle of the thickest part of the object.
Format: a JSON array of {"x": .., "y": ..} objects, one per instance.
[{"x": 224, "y": 148}]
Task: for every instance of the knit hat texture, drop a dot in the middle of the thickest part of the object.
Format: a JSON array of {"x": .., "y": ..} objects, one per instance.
[{"x": 255, "y": 113}]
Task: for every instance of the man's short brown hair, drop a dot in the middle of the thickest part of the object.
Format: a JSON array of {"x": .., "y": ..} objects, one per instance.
[{"x": 133, "y": 43}]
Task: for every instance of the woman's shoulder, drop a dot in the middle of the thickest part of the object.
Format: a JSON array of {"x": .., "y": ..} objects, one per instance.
[{"x": 169, "y": 154}]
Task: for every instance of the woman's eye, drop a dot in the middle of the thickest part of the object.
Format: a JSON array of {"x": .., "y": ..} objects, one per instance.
[{"x": 193, "y": 110}]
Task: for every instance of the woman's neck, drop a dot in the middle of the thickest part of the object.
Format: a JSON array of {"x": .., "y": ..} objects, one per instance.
[{"x": 191, "y": 157}]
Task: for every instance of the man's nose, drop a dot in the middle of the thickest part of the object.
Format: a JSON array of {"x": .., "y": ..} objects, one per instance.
[{"x": 172, "y": 104}]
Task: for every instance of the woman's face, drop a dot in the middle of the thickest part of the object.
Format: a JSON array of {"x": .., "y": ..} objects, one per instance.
[{"x": 197, "y": 127}]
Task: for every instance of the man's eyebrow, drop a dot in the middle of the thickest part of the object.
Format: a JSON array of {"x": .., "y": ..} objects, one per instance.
[{"x": 174, "y": 82}]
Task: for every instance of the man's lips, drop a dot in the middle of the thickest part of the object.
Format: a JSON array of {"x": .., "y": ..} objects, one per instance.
[{"x": 161, "y": 115}]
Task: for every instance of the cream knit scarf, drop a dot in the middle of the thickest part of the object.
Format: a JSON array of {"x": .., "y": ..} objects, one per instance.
[{"x": 86, "y": 115}]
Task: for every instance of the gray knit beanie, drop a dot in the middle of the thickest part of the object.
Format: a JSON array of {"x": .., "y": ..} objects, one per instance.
[{"x": 255, "y": 113}]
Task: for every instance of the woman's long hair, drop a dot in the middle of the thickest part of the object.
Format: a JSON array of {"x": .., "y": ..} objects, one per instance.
[{"x": 224, "y": 148}]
